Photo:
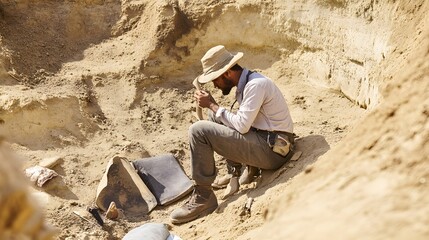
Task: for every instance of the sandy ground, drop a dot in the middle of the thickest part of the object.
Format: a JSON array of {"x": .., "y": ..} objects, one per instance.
[
  {"x": 89, "y": 80},
  {"x": 319, "y": 126}
]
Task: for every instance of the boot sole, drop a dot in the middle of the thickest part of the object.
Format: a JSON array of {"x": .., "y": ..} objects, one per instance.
[{"x": 202, "y": 214}]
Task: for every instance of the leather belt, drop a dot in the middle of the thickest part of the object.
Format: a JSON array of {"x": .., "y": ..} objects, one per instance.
[{"x": 265, "y": 133}]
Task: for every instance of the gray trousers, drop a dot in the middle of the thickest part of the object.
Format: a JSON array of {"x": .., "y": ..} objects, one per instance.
[{"x": 207, "y": 137}]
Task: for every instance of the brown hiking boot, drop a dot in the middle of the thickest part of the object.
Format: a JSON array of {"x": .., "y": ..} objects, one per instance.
[
  {"x": 250, "y": 173},
  {"x": 222, "y": 181},
  {"x": 234, "y": 170},
  {"x": 232, "y": 187},
  {"x": 202, "y": 202}
]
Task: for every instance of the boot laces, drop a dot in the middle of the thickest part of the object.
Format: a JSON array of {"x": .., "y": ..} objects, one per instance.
[{"x": 192, "y": 201}]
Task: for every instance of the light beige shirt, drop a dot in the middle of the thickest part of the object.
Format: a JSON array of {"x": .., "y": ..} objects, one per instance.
[{"x": 262, "y": 106}]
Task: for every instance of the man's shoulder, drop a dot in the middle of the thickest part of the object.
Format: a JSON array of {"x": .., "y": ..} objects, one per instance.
[{"x": 259, "y": 79}]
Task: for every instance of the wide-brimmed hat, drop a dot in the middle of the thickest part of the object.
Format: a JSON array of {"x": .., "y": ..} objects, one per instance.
[{"x": 216, "y": 61}]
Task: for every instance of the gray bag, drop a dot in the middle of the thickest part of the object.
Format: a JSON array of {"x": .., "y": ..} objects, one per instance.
[
  {"x": 164, "y": 177},
  {"x": 148, "y": 231}
]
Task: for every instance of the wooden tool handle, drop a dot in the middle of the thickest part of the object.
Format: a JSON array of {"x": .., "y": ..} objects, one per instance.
[{"x": 199, "y": 110}]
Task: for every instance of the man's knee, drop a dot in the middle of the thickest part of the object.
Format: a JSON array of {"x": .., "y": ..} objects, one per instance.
[{"x": 198, "y": 128}]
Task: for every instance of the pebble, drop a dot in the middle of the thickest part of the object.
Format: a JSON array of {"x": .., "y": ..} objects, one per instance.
[{"x": 308, "y": 169}]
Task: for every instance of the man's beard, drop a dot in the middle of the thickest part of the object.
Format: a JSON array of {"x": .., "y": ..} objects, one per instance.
[{"x": 229, "y": 86}]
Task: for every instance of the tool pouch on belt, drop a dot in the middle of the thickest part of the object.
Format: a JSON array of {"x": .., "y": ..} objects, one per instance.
[{"x": 279, "y": 143}]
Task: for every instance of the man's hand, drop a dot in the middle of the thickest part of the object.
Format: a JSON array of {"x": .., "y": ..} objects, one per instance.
[{"x": 205, "y": 100}]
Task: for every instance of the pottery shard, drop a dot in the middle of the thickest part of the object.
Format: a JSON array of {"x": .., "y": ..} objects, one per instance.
[
  {"x": 121, "y": 184},
  {"x": 112, "y": 212},
  {"x": 40, "y": 175}
]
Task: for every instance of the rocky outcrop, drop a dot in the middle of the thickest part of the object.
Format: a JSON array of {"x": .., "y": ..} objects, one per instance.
[{"x": 349, "y": 46}]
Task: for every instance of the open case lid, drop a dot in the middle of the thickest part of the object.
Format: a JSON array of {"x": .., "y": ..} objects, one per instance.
[{"x": 164, "y": 177}]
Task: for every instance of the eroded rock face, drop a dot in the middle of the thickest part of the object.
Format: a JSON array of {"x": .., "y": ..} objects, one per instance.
[
  {"x": 21, "y": 217},
  {"x": 45, "y": 122},
  {"x": 352, "y": 47},
  {"x": 54, "y": 31}
]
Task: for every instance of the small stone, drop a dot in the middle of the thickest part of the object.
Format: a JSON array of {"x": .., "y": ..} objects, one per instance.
[
  {"x": 296, "y": 156},
  {"x": 308, "y": 169}
]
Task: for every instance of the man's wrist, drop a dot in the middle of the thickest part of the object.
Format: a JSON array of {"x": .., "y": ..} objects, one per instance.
[
  {"x": 218, "y": 113},
  {"x": 214, "y": 107}
]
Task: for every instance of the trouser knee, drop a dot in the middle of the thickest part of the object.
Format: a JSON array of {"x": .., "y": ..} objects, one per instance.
[{"x": 198, "y": 129}]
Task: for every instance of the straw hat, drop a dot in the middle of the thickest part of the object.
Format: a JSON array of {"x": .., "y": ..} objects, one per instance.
[{"x": 216, "y": 61}]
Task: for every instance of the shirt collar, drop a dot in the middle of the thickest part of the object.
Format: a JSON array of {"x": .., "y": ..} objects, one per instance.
[{"x": 241, "y": 82}]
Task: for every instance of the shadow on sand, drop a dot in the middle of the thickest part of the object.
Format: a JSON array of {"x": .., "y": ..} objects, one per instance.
[{"x": 312, "y": 147}]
